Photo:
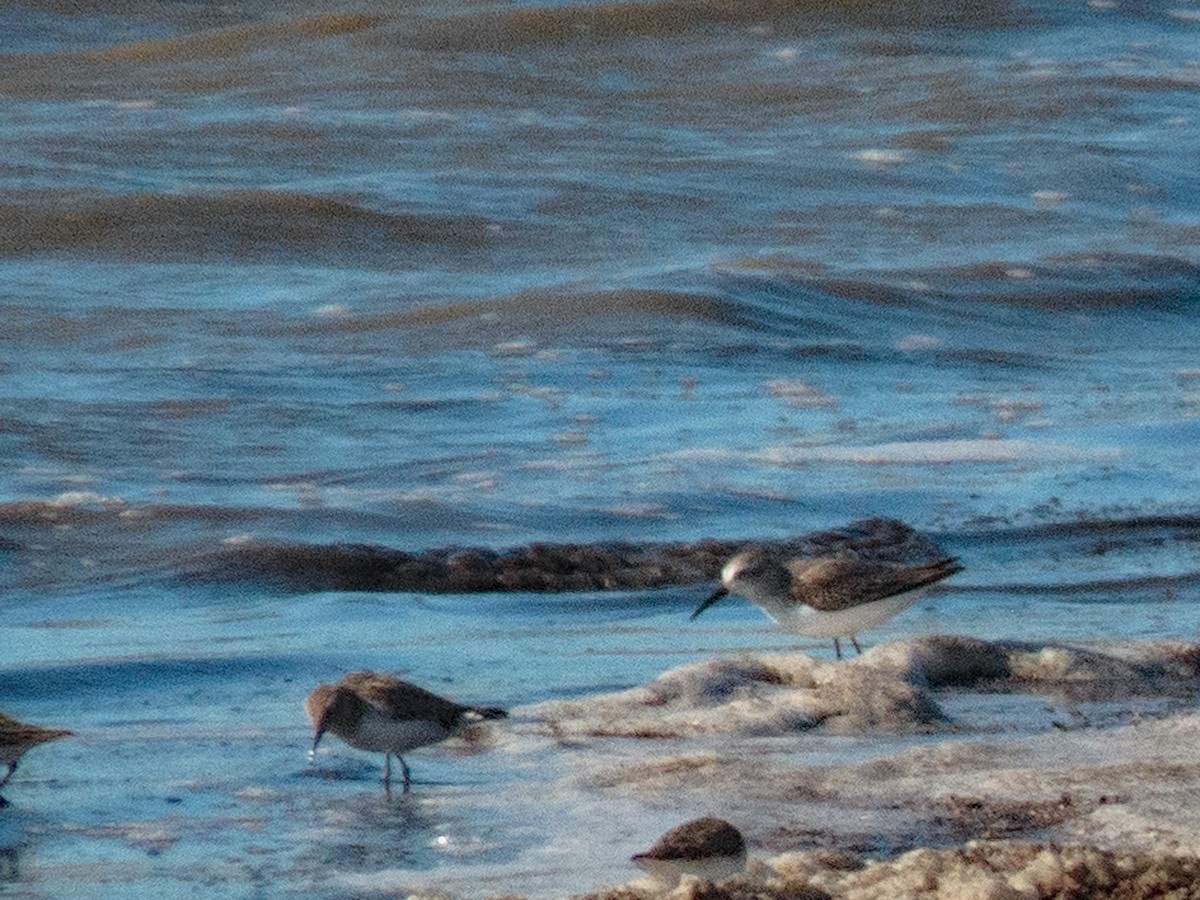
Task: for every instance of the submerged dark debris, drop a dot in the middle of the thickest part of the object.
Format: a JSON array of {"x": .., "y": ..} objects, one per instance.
[{"x": 536, "y": 567}]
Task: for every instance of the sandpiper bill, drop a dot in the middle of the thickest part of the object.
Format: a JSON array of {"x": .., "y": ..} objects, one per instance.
[
  {"x": 709, "y": 848},
  {"x": 382, "y": 714},
  {"x": 827, "y": 597},
  {"x": 17, "y": 737}
]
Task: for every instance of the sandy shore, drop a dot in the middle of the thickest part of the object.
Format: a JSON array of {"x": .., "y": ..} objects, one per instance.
[{"x": 990, "y": 770}]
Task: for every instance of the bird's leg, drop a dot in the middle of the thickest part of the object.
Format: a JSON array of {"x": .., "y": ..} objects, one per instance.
[
  {"x": 387, "y": 768},
  {"x": 854, "y": 641},
  {"x": 404, "y": 772},
  {"x": 12, "y": 767},
  {"x": 837, "y": 648}
]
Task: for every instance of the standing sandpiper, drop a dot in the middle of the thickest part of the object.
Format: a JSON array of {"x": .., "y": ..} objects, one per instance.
[
  {"x": 17, "y": 737},
  {"x": 827, "y": 597},
  {"x": 382, "y": 714},
  {"x": 709, "y": 848}
]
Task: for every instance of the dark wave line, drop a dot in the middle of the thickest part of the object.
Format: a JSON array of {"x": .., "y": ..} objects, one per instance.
[
  {"x": 1104, "y": 531},
  {"x": 1095, "y": 586},
  {"x": 540, "y": 311},
  {"x": 512, "y": 28},
  {"x": 179, "y": 62},
  {"x": 237, "y": 39},
  {"x": 213, "y": 43},
  {"x": 1058, "y": 283},
  {"x": 234, "y": 224},
  {"x": 538, "y": 567}
]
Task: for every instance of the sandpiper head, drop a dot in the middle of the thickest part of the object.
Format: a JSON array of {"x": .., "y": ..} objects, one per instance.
[
  {"x": 754, "y": 565},
  {"x": 333, "y": 707},
  {"x": 749, "y": 573}
]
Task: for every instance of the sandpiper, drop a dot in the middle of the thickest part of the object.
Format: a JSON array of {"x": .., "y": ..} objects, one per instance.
[
  {"x": 827, "y": 597},
  {"x": 17, "y": 737},
  {"x": 709, "y": 848},
  {"x": 382, "y": 714}
]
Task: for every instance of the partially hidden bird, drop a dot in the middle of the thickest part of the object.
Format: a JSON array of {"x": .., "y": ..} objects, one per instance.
[
  {"x": 17, "y": 737},
  {"x": 709, "y": 848}
]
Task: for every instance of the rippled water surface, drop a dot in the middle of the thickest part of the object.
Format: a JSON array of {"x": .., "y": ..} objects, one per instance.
[{"x": 420, "y": 276}]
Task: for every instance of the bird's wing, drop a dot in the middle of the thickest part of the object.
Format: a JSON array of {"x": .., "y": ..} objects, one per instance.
[
  {"x": 833, "y": 583},
  {"x": 402, "y": 700}
]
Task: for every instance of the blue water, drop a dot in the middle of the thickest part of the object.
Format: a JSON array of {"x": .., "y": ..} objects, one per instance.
[{"x": 475, "y": 275}]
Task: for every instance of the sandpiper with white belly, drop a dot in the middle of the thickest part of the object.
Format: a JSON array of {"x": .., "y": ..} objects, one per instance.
[
  {"x": 827, "y": 597},
  {"x": 382, "y": 714}
]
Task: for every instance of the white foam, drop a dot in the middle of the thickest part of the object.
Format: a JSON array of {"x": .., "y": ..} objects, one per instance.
[
  {"x": 914, "y": 342},
  {"x": 980, "y": 450},
  {"x": 85, "y": 500},
  {"x": 879, "y": 158},
  {"x": 890, "y": 688}
]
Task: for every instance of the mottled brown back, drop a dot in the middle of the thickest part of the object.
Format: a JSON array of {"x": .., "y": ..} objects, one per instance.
[
  {"x": 697, "y": 839},
  {"x": 403, "y": 700},
  {"x": 834, "y": 583}
]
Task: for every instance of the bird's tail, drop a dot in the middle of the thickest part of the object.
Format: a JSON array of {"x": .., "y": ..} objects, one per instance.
[
  {"x": 945, "y": 567},
  {"x": 489, "y": 712}
]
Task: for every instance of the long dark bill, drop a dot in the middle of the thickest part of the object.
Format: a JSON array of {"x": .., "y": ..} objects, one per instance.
[{"x": 713, "y": 598}]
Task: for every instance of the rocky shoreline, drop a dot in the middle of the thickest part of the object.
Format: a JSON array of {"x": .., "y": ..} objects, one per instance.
[{"x": 1091, "y": 789}]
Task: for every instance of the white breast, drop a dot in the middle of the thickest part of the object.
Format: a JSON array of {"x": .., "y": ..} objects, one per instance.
[
  {"x": 382, "y": 735},
  {"x": 800, "y": 619}
]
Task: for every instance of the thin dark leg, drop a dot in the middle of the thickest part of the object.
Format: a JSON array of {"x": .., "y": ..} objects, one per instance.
[
  {"x": 404, "y": 770},
  {"x": 387, "y": 769},
  {"x": 854, "y": 641},
  {"x": 837, "y": 648}
]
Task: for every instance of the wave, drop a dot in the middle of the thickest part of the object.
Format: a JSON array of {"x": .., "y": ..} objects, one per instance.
[
  {"x": 927, "y": 453},
  {"x": 1067, "y": 283},
  {"x": 65, "y": 511},
  {"x": 80, "y": 72},
  {"x": 87, "y": 538},
  {"x": 816, "y": 311},
  {"x": 1078, "y": 281},
  {"x": 249, "y": 224},
  {"x": 1104, "y": 557},
  {"x": 508, "y": 29},
  {"x": 124, "y": 540},
  {"x": 232, "y": 41},
  {"x": 540, "y": 312}
]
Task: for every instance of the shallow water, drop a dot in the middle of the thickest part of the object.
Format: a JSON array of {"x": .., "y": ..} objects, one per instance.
[{"x": 466, "y": 275}]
